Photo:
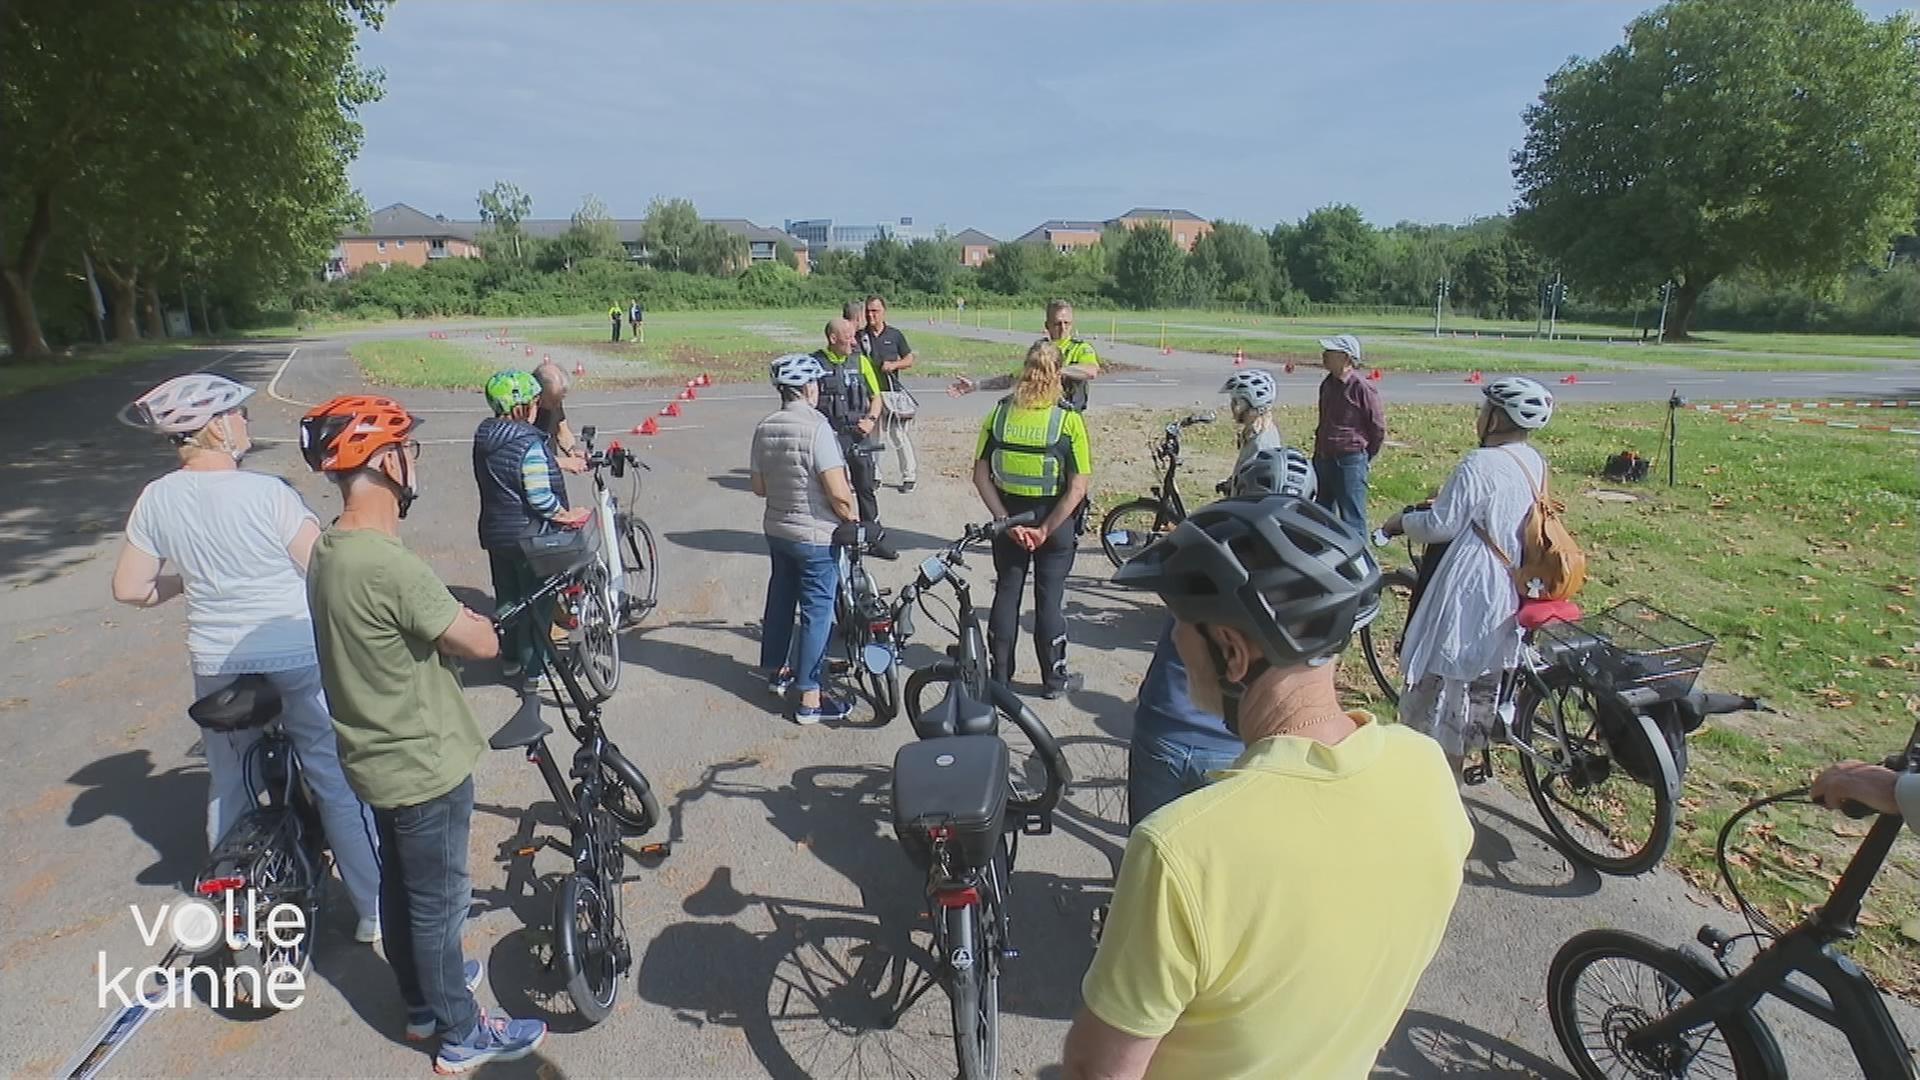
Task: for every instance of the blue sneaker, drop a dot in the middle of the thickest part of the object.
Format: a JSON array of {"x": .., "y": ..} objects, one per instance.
[
  {"x": 420, "y": 1022},
  {"x": 830, "y": 708},
  {"x": 494, "y": 1038}
]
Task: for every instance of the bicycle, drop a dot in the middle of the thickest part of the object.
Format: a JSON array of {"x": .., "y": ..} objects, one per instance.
[
  {"x": 609, "y": 801},
  {"x": 1664, "y": 1012},
  {"x": 625, "y": 586},
  {"x": 275, "y": 855},
  {"x": 1130, "y": 527},
  {"x": 869, "y": 629}
]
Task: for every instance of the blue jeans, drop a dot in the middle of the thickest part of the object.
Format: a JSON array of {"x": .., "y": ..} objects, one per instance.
[
  {"x": 425, "y": 892},
  {"x": 1341, "y": 483},
  {"x": 804, "y": 579},
  {"x": 1161, "y": 770}
]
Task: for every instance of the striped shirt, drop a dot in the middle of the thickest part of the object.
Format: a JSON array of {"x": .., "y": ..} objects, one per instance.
[{"x": 534, "y": 472}]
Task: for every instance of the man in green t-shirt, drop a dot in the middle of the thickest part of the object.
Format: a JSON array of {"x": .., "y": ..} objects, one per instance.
[{"x": 385, "y": 627}]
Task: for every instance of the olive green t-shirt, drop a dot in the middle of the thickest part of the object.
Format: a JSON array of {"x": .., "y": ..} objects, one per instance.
[{"x": 405, "y": 732}]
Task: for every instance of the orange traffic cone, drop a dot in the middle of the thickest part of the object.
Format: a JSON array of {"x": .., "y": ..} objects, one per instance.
[
  {"x": 579, "y": 368},
  {"x": 529, "y": 350},
  {"x": 1375, "y": 375},
  {"x": 1569, "y": 379},
  {"x": 1473, "y": 377},
  {"x": 1239, "y": 358},
  {"x": 1289, "y": 367},
  {"x": 648, "y": 428},
  {"x": 672, "y": 409}
]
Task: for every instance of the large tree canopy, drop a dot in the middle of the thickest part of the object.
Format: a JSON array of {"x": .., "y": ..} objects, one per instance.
[{"x": 1776, "y": 136}]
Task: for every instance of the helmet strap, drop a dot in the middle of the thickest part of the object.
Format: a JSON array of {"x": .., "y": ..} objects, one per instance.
[{"x": 1231, "y": 690}]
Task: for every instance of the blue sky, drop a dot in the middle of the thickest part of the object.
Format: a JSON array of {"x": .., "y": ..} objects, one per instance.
[{"x": 989, "y": 115}]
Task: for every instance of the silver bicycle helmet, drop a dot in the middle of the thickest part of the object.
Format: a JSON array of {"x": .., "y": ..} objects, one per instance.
[
  {"x": 796, "y": 369},
  {"x": 1285, "y": 471},
  {"x": 185, "y": 404},
  {"x": 1254, "y": 389},
  {"x": 1526, "y": 403}
]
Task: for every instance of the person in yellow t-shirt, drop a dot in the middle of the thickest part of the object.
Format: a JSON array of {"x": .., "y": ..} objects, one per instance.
[{"x": 1274, "y": 923}]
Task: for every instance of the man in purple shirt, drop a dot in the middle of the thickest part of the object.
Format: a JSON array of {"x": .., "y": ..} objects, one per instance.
[{"x": 1352, "y": 427}]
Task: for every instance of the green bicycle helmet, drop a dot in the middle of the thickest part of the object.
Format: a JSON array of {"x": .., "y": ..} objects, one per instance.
[{"x": 506, "y": 389}]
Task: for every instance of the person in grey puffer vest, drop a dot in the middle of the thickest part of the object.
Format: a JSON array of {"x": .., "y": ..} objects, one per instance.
[{"x": 799, "y": 468}]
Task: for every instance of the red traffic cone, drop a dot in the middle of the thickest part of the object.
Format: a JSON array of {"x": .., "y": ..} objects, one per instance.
[
  {"x": 1473, "y": 377},
  {"x": 1166, "y": 350},
  {"x": 1289, "y": 367},
  {"x": 529, "y": 350},
  {"x": 1569, "y": 379},
  {"x": 692, "y": 393},
  {"x": 672, "y": 409},
  {"x": 1239, "y": 358},
  {"x": 684, "y": 395},
  {"x": 648, "y": 428},
  {"x": 1375, "y": 375},
  {"x": 579, "y": 368},
  {"x": 706, "y": 379}
]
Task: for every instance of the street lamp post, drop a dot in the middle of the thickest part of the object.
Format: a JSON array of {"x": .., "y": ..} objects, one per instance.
[
  {"x": 1666, "y": 295},
  {"x": 1556, "y": 292},
  {"x": 1440, "y": 291}
]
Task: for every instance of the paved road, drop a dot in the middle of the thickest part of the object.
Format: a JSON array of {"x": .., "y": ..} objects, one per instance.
[{"x": 784, "y": 874}]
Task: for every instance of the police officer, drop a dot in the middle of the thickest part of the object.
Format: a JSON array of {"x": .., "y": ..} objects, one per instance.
[
  {"x": 1078, "y": 363},
  {"x": 1032, "y": 455},
  {"x": 850, "y": 400}
]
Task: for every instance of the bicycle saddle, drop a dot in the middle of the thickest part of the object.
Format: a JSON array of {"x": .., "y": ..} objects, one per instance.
[
  {"x": 958, "y": 713},
  {"x": 249, "y": 701},
  {"x": 1537, "y": 613},
  {"x": 525, "y": 729}
]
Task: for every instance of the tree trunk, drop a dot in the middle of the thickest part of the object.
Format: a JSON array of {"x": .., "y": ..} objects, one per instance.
[
  {"x": 122, "y": 291},
  {"x": 1680, "y": 311},
  {"x": 150, "y": 308},
  {"x": 16, "y": 288}
]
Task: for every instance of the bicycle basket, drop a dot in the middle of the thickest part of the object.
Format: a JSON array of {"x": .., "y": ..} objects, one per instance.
[{"x": 1632, "y": 646}]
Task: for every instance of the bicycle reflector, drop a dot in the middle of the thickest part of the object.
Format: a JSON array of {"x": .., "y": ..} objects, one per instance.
[
  {"x": 214, "y": 886},
  {"x": 965, "y": 896}
]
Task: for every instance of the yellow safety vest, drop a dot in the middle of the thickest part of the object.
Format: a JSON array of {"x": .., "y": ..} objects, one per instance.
[{"x": 1024, "y": 452}]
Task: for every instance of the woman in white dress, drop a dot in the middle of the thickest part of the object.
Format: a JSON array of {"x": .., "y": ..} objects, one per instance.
[
  {"x": 235, "y": 543},
  {"x": 1250, "y": 398},
  {"x": 1464, "y": 632}
]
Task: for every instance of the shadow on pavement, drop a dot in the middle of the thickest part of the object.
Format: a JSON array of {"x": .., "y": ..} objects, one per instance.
[
  {"x": 736, "y": 480},
  {"x": 168, "y": 810},
  {"x": 1494, "y": 863},
  {"x": 1428, "y": 1045}
]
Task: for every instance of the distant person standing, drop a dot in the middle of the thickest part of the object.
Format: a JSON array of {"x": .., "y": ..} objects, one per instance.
[
  {"x": 635, "y": 317},
  {"x": 850, "y": 400},
  {"x": 613, "y": 313},
  {"x": 887, "y": 350},
  {"x": 1353, "y": 425},
  {"x": 1078, "y": 363}
]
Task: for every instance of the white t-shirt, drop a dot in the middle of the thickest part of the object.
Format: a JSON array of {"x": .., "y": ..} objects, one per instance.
[{"x": 226, "y": 534}]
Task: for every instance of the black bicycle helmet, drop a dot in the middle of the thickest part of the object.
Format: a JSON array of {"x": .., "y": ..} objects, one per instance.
[
  {"x": 1283, "y": 471},
  {"x": 1280, "y": 569}
]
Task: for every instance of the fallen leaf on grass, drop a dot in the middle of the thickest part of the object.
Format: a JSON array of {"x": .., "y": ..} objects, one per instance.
[
  {"x": 1902, "y": 588},
  {"x": 1883, "y": 662},
  {"x": 1896, "y": 609}
]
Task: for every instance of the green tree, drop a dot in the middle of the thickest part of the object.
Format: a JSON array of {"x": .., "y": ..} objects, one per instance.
[
  {"x": 671, "y": 232},
  {"x": 590, "y": 235},
  {"x": 130, "y": 143},
  {"x": 1778, "y": 136},
  {"x": 785, "y": 255},
  {"x": 1234, "y": 262},
  {"x": 880, "y": 265},
  {"x": 1015, "y": 269},
  {"x": 929, "y": 266},
  {"x": 503, "y": 207},
  {"x": 1333, "y": 256},
  {"x": 1149, "y": 269}
]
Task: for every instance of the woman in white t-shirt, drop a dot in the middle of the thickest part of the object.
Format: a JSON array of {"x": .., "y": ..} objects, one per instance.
[
  {"x": 1464, "y": 631},
  {"x": 1250, "y": 398},
  {"x": 235, "y": 543}
]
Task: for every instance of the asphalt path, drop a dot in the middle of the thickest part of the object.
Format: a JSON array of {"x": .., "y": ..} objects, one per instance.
[{"x": 784, "y": 877}]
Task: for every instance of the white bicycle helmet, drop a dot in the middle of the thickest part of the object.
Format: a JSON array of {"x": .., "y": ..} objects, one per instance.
[
  {"x": 1254, "y": 389},
  {"x": 796, "y": 369},
  {"x": 1526, "y": 403},
  {"x": 184, "y": 405}
]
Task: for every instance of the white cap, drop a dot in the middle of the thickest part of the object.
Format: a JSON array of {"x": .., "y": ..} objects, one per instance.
[{"x": 1345, "y": 343}]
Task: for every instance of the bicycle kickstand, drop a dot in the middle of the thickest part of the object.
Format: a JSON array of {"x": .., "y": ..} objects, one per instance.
[{"x": 1480, "y": 771}]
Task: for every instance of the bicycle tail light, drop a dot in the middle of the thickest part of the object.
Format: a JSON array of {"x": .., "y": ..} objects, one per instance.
[
  {"x": 214, "y": 886},
  {"x": 958, "y": 897}
]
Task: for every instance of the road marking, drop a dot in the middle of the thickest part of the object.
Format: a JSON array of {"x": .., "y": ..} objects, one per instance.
[
  {"x": 610, "y": 434},
  {"x": 273, "y": 385},
  {"x": 1694, "y": 382},
  {"x": 216, "y": 363}
]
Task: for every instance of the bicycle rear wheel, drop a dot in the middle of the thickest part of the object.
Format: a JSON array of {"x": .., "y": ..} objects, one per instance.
[
  {"x": 1604, "y": 985},
  {"x": 599, "y": 641},
  {"x": 1129, "y": 528},
  {"x": 639, "y": 571},
  {"x": 1380, "y": 639},
  {"x": 1600, "y": 814},
  {"x": 585, "y": 946},
  {"x": 973, "y": 987}
]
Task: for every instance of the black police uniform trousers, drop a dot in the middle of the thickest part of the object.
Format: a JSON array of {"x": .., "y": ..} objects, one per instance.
[
  {"x": 1050, "y": 566},
  {"x": 861, "y": 474}
]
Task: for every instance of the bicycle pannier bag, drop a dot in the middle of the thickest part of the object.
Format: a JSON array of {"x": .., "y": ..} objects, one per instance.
[
  {"x": 1551, "y": 566},
  {"x": 958, "y": 784}
]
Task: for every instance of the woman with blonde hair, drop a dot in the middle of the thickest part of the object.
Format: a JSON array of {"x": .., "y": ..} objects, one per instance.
[
  {"x": 236, "y": 544},
  {"x": 1032, "y": 456}
]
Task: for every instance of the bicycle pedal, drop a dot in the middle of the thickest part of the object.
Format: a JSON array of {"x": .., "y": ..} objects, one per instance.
[
  {"x": 1475, "y": 775},
  {"x": 658, "y": 850}
]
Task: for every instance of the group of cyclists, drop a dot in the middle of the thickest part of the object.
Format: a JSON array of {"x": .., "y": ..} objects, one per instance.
[{"x": 1220, "y": 956}]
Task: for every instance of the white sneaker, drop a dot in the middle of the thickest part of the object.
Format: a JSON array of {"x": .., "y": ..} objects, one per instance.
[{"x": 368, "y": 931}]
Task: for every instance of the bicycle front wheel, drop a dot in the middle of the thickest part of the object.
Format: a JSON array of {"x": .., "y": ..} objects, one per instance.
[
  {"x": 1604, "y": 985},
  {"x": 1598, "y": 811},
  {"x": 973, "y": 987},
  {"x": 586, "y": 946},
  {"x": 599, "y": 642},
  {"x": 639, "y": 571},
  {"x": 1380, "y": 639},
  {"x": 1129, "y": 528},
  {"x": 628, "y": 798}
]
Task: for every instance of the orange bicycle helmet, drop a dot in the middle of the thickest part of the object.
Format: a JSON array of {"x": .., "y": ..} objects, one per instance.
[{"x": 342, "y": 434}]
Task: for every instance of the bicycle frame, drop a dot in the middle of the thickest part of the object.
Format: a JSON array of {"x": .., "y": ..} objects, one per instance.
[{"x": 608, "y": 525}]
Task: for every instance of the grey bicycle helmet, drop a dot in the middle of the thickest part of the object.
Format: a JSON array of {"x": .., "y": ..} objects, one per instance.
[
  {"x": 1280, "y": 569},
  {"x": 1284, "y": 471},
  {"x": 1254, "y": 389},
  {"x": 795, "y": 369},
  {"x": 1526, "y": 403}
]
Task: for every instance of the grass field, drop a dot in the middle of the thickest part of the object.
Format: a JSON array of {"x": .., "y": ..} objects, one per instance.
[
  {"x": 1792, "y": 544},
  {"x": 419, "y": 362}
]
